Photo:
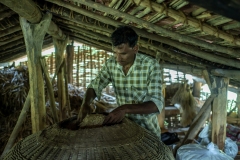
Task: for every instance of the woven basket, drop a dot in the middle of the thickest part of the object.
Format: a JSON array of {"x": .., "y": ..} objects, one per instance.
[{"x": 91, "y": 141}]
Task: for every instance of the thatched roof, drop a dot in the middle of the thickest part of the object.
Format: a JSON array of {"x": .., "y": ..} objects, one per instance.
[{"x": 176, "y": 31}]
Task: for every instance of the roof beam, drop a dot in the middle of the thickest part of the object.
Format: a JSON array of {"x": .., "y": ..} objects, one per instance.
[
  {"x": 145, "y": 24},
  {"x": 189, "y": 49},
  {"x": 29, "y": 10}
]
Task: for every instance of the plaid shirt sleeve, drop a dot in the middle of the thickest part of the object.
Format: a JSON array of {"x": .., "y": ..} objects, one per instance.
[
  {"x": 155, "y": 86},
  {"x": 101, "y": 81}
]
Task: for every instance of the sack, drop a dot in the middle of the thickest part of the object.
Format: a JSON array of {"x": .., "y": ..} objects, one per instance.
[
  {"x": 200, "y": 152},
  {"x": 169, "y": 138}
]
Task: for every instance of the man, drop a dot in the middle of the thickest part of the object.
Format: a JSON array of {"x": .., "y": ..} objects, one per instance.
[{"x": 136, "y": 79}]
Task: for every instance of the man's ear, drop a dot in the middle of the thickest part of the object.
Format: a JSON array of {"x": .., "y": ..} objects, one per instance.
[{"x": 135, "y": 48}]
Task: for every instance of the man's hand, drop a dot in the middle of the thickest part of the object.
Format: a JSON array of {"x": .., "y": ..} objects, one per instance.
[
  {"x": 84, "y": 111},
  {"x": 116, "y": 116}
]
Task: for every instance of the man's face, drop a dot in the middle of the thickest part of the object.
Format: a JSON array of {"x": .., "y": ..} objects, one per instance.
[{"x": 124, "y": 54}]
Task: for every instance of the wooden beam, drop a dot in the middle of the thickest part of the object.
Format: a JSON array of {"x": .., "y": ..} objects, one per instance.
[
  {"x": 145, "y": 24},
  {"x": 5, "y": 14},
  {"x": 235, "y": 74},
  {"x": 142, "y": 43},
  {"x": 182, "y": 18},
  {"x": 230, "y": 8},
  {"x": 9, "y": 22},
  {"x": 30, "y": 11},
  {"x": 184, "y": 47},
  {"x": 10, "y": 30}
]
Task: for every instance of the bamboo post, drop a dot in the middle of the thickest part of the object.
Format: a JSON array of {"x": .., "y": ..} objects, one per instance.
[
  {"x": 77, "y": 72},
  {"x": 18, "y": 126},
  {"x": 84, "y": 69},
  {"x": 50, "y": 90},
  {"x": 60, "y": 46},
  {"x": 51, "y": 63},
  {"x": 33, "y": 36},
  {"x": 66, "y": 89},
  {"x": 70, "y": 54},
  {"x": 91, "y": 63}
]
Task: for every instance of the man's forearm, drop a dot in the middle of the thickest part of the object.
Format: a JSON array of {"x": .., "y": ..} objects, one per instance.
[
  {"x": 90, "y": 95},
  {"x": 143, "y": 108}
]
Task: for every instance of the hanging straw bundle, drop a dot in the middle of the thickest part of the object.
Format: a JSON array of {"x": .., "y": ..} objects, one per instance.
[{"x": 184, "y": 97}]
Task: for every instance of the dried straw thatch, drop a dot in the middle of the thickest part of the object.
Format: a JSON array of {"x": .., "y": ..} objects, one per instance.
[{"x": 184, "y": 97}]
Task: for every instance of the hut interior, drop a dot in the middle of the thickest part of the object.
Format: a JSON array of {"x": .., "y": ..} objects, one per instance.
[{"x": 196, "y": 42}]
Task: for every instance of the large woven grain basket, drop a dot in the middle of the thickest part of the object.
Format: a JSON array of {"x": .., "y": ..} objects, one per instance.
[{"x": 92, "y": 141}]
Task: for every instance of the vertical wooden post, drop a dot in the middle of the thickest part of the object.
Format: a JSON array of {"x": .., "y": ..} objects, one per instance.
[
  {"x": 218, "y": 86},
  {"x": 60, "y": 46},
  {"x": 91, "y": 63},
  {"x": 219, "y": 111},
  {"x": 84, "y": 69},
  {"x": 70, "y": 53},
  {"x": 77, "y": 72},
  {"x": 51, "y": 64},
  {"x": 196, "y": 88},
  {"x": 33, "y": 37}
]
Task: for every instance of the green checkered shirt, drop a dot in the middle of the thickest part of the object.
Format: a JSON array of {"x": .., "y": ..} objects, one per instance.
[{"x": 141, "y": 84}]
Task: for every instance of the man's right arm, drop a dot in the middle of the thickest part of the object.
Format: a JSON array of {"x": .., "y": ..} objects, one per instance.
[{"x": 85, "y": 109}]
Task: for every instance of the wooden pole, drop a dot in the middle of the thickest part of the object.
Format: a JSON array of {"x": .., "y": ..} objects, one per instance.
[
  {"x": 50, "y": 90},
  {"x": 33, "y": 36},
  {"x": 66, "y": 90},
  {"x": 18, "y": 126},
  {"x": 219, "y": 111},
  {"x": 60, "y": 46},
  {"x": 196, "y": 89},
  {"x": 77, "y": 72},
  {"x": 70, "y": 54}
]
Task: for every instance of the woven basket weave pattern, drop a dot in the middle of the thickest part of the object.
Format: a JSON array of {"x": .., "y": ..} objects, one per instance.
[{"x": 126, "y": 140}]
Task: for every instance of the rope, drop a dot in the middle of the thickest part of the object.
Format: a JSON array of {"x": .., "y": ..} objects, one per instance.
[
  {"x": 165, "y": 9},
  {"x": 185, "y": 21},
  {"x": 200, "y": 25}
]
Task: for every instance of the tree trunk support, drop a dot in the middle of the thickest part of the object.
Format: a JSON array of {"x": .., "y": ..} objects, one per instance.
[
  {"x": 60, "y": 46},
  {"x": 219, "y": 111},
  {"x": 33, "y": 37}
]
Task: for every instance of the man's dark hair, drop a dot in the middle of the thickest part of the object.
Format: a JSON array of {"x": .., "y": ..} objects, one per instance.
[{"x": 124, "y": 34}]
